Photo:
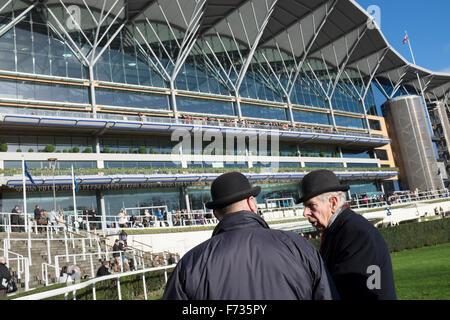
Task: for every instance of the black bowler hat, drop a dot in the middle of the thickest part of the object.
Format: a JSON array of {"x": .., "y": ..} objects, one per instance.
[
  {"x": 318, "y": 182},
  {"x": 229, "y": 188}
]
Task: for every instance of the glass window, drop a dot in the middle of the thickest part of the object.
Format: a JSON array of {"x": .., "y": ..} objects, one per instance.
[
  {"x": 350, "y": 122},
  {"x": 374, "y": 124},
  {"x": 131, "y": 99},
  {"x": 205, "y": 106},
  {"x": 381, "y": 154},
  {"x": 119, "y": 199},
  {"x": 367, "y": 154},
  {"x": 263, "y": 112},
  {"x": 323, "y": 165},
  {"x": 362, "y": 165},
  {"x": 310, "y": 117}
]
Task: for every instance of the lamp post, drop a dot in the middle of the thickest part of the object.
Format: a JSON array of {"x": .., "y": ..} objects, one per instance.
[{"x": 53, "y": 164}]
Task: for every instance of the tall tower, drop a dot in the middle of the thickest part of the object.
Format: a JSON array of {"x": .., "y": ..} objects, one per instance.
[{"x": 412, "y": 143}]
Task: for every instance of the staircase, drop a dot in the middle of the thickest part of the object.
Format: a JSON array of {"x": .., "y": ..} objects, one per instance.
[{"x": 39, "y": 255}]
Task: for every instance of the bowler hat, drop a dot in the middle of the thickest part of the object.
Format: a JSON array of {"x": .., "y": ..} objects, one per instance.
[
  {"x": 318, "y": 182},
  {"x": 229, "y": 188}
]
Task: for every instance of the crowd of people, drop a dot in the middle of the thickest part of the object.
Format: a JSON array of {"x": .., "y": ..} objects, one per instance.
[
  {"x": 40, "y": 220},
  {"x": 162, "y": 218},
  {"x": 365, "y": 201},
  {"x": 234, "y": 122}
]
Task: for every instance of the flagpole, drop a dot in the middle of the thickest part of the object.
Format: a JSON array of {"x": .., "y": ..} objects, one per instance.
[
  {"x": 24, "y": 187},
  {"x": 74, "y": 198},
  {"x": 410, "y": 49}
]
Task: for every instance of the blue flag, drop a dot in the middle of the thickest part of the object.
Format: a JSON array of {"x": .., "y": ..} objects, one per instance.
[
  {"x": 27, "y": 173},
  {"x": 75, "y": 182}
]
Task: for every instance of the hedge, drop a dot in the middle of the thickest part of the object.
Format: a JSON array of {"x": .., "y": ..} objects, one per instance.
[
  {"x": 412, "y": 235},
  {"x": 417, "y": 235}
]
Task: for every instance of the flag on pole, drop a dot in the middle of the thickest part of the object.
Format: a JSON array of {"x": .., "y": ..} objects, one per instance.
[
  {"x": 27, "y": 173},
  {"x": 405, "y": 39},
  {"x": 75, "y": 182}
]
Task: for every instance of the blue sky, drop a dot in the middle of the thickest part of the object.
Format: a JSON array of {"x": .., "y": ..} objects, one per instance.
[{"x": 428, "y": 26}]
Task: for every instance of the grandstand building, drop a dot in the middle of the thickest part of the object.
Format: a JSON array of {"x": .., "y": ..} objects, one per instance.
[{"x": 103, "y": 86}]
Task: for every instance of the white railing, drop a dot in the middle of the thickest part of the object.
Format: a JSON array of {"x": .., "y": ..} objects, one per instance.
[
  {"x": 194, "y": 218},
  {"x": 93, "y": 282},
  {"x": 23, "y": 267},
  {"x": 397, "y": 198}
]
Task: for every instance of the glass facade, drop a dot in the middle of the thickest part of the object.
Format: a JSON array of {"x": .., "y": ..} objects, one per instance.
[
  {"x": 64, "y": 201},
  {"x": 205, "y": 106},
  {"x": 41, "y": 67},
  {"x": 115, "y": 200},
  {"x": 136, "y": 57},
  {"x": 48, "y": 143},
  {"x": 12, "y": 164},
  {"x": 126, "y": 98},
  {"x": 150, "y": 144},
  {"x": 142, "y": 164},
  {"x": 42, "y": 91}
]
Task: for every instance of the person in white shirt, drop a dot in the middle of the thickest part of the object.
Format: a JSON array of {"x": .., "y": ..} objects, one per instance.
[{"x": 122, "y": 219}]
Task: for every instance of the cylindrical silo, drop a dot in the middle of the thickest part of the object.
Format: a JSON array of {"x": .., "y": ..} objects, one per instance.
[{"x": 413, "y": 150}]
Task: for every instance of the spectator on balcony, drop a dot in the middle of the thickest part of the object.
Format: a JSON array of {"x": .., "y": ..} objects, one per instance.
[
  {"x": 43, "y": 221},
  {"x": 52, "y": 219},
  {"x": 164, "y": 215},
  {"x": 94, "y": 219},
  {"x": 245, "y": 259},
  {"x": 61, "y": 218},
  {"x": 177, "y": 218},
  {"x": 5, "y": 277},
  {"x": 122, "y": 217},
  {"x": 15, "y": 212},
  {"x": 37, "y": 215},
  {"x": 85, "y": 219},
  {"x": 133, "y": 221}
]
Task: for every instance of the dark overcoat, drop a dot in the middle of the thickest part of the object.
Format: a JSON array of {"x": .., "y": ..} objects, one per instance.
[
  {"x": 245, "y": 260},
  {"x": 350, "y": 247}
]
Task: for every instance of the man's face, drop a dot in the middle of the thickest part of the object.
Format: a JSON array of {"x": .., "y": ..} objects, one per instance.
[{"x": 318, "y": 212}]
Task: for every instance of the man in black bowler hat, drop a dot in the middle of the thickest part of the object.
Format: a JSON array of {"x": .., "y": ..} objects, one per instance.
[
  {"x": 354, "y": 251},
  {"x": 245, "y": 259}
]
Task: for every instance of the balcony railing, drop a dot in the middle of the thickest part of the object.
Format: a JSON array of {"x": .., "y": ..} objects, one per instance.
[{"x": 207, "y": 121}]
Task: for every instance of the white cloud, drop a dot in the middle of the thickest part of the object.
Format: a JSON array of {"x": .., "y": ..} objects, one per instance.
[{"x": 446, "y": 70}]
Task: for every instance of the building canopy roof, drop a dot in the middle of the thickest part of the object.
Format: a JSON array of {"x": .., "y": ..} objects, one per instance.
[
  {"x": 339, "y": 32},
  {"x": 348, "y": 36}
]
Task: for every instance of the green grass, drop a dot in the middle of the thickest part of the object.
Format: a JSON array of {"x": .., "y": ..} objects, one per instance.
[{"x": 422, "y": 274}]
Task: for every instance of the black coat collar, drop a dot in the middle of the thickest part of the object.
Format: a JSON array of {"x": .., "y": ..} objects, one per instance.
[{"x": 239, "y": 220}]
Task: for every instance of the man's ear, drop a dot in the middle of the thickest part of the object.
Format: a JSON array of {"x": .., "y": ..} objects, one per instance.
[
  {"x": 252, "y": 204},
  {"x": 334, "y": 202}
]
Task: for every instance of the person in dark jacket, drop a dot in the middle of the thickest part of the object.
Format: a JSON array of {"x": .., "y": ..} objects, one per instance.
[
  {"x": 245, "y": 259},
  {"x": 354, "y": 251},
  {"x": 15, "y": 212},
  {"x": 104, "y": 269},
  {"x": 5, "y": 277}
]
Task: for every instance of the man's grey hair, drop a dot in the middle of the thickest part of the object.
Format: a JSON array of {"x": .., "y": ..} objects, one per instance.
[{"x": 342, "y": 198}]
